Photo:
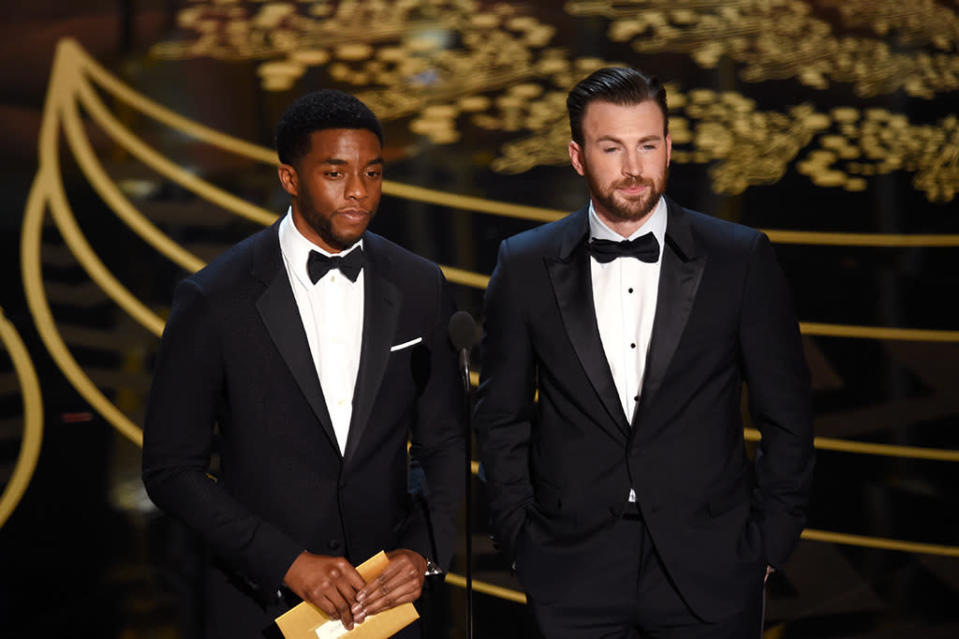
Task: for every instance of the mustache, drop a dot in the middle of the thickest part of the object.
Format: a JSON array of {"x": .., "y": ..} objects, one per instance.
[{"x": 633, "y": 181}]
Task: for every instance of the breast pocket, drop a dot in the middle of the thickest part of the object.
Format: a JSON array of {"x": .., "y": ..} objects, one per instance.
[{"x": 408, "y": 365}]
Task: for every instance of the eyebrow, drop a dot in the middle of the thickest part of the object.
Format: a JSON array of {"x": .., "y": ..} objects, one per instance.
[
  {"x": 339, "y": 162},
  {"x": 645, "y": 138}
]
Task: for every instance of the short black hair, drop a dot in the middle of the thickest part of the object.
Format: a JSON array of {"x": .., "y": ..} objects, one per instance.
[
  {"x": 316, "y": 111},
  {"x": 619, "y": 85}
]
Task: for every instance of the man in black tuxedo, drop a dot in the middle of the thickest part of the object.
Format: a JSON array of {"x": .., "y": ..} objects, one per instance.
[
  {"x": 624, "y": 493},
  {"x": 306, "y": 358}
]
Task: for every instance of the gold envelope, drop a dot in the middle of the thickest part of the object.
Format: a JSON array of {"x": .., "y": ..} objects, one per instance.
[{"x": 302, "y": 621}]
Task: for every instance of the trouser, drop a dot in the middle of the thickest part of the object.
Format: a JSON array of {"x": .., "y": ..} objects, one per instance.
[{"x": 640, "y": 599}]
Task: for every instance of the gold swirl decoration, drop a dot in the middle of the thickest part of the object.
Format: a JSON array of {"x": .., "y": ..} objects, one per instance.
[
  {"x": 780, "y": 39},
  {"x": 32, "y": 419},
  {"x": 449, "y": 62},
  {"x": 70, "y": 86}
]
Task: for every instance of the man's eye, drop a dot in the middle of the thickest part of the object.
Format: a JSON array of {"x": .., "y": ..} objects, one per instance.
[
  {"x": 332, "y": 174},
  {"x": 610, "y": 149},
  {"x": 374, "y": 174}
]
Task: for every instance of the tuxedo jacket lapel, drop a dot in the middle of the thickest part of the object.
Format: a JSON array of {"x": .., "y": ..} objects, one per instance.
[
  {"x": 277, "y": 307},
  {"x": 679, "y": 279},
  {"x": 380, "y": 314},
  {"x": 570, "y": 276}
]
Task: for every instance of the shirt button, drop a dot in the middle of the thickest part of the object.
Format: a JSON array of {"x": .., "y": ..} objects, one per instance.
[
  {"x": 632, "y": 345},
  {"x": 630, "y": 290},
  {"x": 635, "y": 398}
]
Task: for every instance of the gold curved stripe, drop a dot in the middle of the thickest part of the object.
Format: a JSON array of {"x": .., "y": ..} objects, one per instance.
[
  {"x": 111, "y": 195},
  {"x": 880, "y": 542},
  {"x": 878, "y": 332},
  {"x": 70, "y": 49},
  {"x": 868, "y": 448},
  {"x": 487, "y": 588},
  {"x": 112, "y": 84},
  {"x": 86, "y": 256},
  {"x": 170, "y": 170},
  {"x": 470, "y": 203},
  {"x": 887, "y": 240},
  {"x": 886, "y": 450},
  {"x": 467, "y": 278},
  {"x": 43, "y": 318},
  {"x": 46, "y": 183},
  {"x": 32, "y": 419}
]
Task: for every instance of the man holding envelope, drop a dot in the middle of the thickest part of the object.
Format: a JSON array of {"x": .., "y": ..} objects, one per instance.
[{"x": 293, "y": 371}]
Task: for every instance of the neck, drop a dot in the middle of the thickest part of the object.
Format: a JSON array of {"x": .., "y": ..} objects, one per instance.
[{"x": 621, "y": 227}]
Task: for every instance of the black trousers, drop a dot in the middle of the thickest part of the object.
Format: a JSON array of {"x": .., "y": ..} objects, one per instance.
[{"x": 640, "y": 600}]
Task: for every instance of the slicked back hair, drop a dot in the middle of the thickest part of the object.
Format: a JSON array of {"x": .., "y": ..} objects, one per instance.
[
  {"x": 317, "y": 111},
  {"x": 623, "y": 86}
]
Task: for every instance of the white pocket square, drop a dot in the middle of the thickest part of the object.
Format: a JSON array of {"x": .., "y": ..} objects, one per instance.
[{"x": 400, "y": 347}]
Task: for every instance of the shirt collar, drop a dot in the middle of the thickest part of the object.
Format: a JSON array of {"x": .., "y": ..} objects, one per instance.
[
  {"x": 296, "y": 248},
  {"x": 655, "y": 224}
]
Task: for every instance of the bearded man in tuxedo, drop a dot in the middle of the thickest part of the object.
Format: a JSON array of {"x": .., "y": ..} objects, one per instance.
[{"x": 625, "y": 494}]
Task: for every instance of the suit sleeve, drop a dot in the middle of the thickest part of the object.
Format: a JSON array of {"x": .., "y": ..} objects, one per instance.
[
  {"x": 505, "y": 408},
  {"x": 438, "y": 438},
  {"x": 777, "y": 380},
  {"x": 178, "y": 442}
]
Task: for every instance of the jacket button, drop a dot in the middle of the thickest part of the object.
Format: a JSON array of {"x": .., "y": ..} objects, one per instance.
[{"x": 334, "y": 544}]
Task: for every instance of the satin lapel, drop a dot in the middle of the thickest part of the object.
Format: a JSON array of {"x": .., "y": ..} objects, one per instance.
[
  {"x": 381, "y": 311},
  {"x": 679, "y": 280},
  {"x": 574, "y": 293},
  {"x": 277, "y": 307}
]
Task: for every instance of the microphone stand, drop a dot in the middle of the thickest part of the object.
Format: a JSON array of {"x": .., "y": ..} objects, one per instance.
[
  {"x": 467, "y": 389},
  {"x": 463, "y": 335}
]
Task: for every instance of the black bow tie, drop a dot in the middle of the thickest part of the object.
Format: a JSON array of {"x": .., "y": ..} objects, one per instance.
[
  {"x": 644, "y": 248},
  {"x": 350, "y": 265}
]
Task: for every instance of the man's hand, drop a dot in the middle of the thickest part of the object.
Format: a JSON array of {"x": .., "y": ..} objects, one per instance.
[
  {"x": 330, "y": 583},
  {"x": 401, "y": 582}
]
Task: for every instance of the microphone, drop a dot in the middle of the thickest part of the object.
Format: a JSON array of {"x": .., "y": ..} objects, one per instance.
[{"x": 464, "y": 334}]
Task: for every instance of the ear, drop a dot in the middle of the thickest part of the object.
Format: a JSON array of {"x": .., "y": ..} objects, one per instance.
[
  {"x": 289, "y": 179},
  {"x": 669, "y": 148},
  {"x": 577, "y": 157}
]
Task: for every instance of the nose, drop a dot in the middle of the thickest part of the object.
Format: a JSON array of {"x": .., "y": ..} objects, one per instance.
[
  {"x": 632, "y": 167},
  {"x": 355, "y": 187}
]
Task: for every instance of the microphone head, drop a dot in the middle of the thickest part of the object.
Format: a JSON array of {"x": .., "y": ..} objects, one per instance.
[{"x": 463, "y": 330}]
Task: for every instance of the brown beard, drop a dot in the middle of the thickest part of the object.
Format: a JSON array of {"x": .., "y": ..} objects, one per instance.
[{"x": 614, "y": 208}]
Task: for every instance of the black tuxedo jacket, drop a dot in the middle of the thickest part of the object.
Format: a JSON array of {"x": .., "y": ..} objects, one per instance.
[
  {"x": 560, "y": 469},
  {"x": 235, "y": 378}
]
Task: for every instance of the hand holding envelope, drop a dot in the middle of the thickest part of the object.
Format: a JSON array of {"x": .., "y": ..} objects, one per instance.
[
  {"x": 400, "y": 582},
  {"x": 330, "y": 583},
  {"x": 382, "y": 575}
]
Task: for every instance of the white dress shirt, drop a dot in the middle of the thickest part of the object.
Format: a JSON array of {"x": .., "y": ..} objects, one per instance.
[
  {"x": 624, "y": 297},
  {"x": 332, "y": 315}
]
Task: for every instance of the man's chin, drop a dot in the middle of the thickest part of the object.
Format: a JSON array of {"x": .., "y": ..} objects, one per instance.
[{"x": 631, "y": 212}]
